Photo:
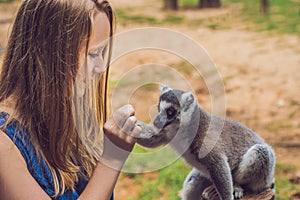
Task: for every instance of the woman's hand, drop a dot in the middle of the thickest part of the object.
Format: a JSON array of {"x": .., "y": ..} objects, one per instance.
[{"x": 120, "y": 133}]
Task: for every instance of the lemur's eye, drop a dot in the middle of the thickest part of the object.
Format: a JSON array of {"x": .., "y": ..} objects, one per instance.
[{"x": 170, "y": 112}]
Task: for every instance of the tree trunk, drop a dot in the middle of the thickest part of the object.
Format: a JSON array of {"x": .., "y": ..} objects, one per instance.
[
  {"x": 209, "y": 3},
  {"x": 264, "y": 6},
  {"x": 170, "y": 5},
  {"x": 211, "y": 194}
]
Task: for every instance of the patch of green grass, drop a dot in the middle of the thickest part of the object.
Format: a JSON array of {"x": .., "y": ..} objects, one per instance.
[
  {"x": 279, "y": 125},
  {"x": 212, "y": 26},
  {"x": 173, "y": 19},
  {"x": 150, "y": 191},
  {"x": 168, "y": 183},
  {"x": 124, "y": 17},
  {"x": 284, "y": 168},
  {"x": 116, "y": 83},
  {"x": 184, "y": 68},
  {"x": 285, "y": 189},
  {"x": 113, "y": 83},
  {"x": 130, "y": 175},
  {"x": 283, "y": 16},
  {"x": 5, "y": 1},
  {"x": 189, "y": 3},
  {"x": 196, "y": 22},
  {"x": 144, "y": 159},
  {"x": 149, "y": 87}
]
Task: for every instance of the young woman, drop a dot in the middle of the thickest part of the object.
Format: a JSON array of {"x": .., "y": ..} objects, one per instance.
[{"x": 53, "y": 104}]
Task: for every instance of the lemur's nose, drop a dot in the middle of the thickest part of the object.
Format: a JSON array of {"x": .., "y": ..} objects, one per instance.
[{"x": 159, "y": 122}]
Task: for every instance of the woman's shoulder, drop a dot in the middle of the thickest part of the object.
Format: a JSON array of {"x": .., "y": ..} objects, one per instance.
[
  {"x": 14, "y": 174},
  {"x": 17, "y": 150},
  {"x": 18, "y": 135},
  {"x": 9, "y": 149}
]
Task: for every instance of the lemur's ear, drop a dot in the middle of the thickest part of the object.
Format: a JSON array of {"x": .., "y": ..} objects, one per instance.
[
  {"x": 187, "y": 99},
  {"x": 164, "y": 88}
]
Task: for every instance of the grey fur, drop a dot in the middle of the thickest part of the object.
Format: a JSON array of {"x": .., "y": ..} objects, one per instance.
[
  {"x": 234, "y": 159},
  {"x": 194, "y": 185}
]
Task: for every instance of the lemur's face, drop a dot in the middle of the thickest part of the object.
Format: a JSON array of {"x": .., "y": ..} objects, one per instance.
[
  {"x": 173, "y": 106},
  {"x": 169, "y": 109}
]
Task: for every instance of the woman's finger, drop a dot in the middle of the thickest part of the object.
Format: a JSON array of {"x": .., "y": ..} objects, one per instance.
[
  {"x": 129, "y": 125},
  {"x": 120, "y": 116},
  {"x": 136, "y": 132}
]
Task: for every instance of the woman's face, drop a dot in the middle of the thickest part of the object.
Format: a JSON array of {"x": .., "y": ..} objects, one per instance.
[
  {"x": 95, "y": 63},
  {"x": 98, "y": 45}
]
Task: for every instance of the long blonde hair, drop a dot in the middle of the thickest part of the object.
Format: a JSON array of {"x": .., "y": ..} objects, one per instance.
[{"x": 39, "y": 70}]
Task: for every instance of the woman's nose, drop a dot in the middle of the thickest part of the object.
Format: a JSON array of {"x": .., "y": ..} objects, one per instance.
[{"x": 98, "y": 70}]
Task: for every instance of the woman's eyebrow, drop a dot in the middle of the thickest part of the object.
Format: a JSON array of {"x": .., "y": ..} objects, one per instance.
[{"x": 102, "y": 45}]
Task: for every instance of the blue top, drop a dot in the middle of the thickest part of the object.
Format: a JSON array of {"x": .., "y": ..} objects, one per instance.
[{"x": 37, "y": 166}]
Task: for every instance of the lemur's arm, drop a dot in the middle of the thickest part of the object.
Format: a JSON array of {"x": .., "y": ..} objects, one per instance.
[
  {"x": 220, "y": 173},
  {"x": 149, "y": 136},
  {"x": 148, "y": 130},
  {"x": 194, "y": 185}
]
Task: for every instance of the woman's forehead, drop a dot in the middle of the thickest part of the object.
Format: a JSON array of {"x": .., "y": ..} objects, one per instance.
[{"x": 101, "y": 30}]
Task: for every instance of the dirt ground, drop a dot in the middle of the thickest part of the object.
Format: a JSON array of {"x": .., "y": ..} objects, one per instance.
[{"x": 260, "y": 72}]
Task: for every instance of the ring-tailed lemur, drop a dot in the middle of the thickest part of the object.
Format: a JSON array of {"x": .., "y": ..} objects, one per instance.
[{"x": 233, "y": 160}]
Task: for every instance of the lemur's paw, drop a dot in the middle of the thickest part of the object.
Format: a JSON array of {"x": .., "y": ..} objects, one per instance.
[
  {"x": 210, "y": 193},
  {"x": 238, "y": 192}
]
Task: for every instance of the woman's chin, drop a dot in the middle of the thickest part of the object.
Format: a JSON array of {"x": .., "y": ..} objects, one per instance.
[{"x": 80, "y": 89}]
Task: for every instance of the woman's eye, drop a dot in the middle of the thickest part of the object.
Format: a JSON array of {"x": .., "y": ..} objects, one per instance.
[
  {"x": 99, "y": 52},
  {"x": 93, "y": 55}
]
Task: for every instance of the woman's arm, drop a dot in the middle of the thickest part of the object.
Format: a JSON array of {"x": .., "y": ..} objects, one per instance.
[
  {"x": 16, "y": 183},
  {"x": 102, "y": 183},
  {"x": 120, "y": 132}
]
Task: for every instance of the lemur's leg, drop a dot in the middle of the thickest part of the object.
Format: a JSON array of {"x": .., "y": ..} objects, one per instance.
[
  {"x": 256, "y": 170},
  {"x": 194, "y": 185},
  {"x": 220, "y": 174}
]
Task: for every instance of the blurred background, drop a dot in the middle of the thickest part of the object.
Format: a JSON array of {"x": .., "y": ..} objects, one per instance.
[{"x": 255, "y": 45}]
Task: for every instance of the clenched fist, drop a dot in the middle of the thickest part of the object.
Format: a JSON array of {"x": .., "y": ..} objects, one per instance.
[{"x": 120, "y": 133}]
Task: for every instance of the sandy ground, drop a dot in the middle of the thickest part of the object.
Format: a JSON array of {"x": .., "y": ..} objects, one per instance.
[{"x": 260, "y": 73}]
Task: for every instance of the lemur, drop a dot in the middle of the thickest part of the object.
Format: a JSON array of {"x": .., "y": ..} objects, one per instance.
[{"x": 223, "y": 152}]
